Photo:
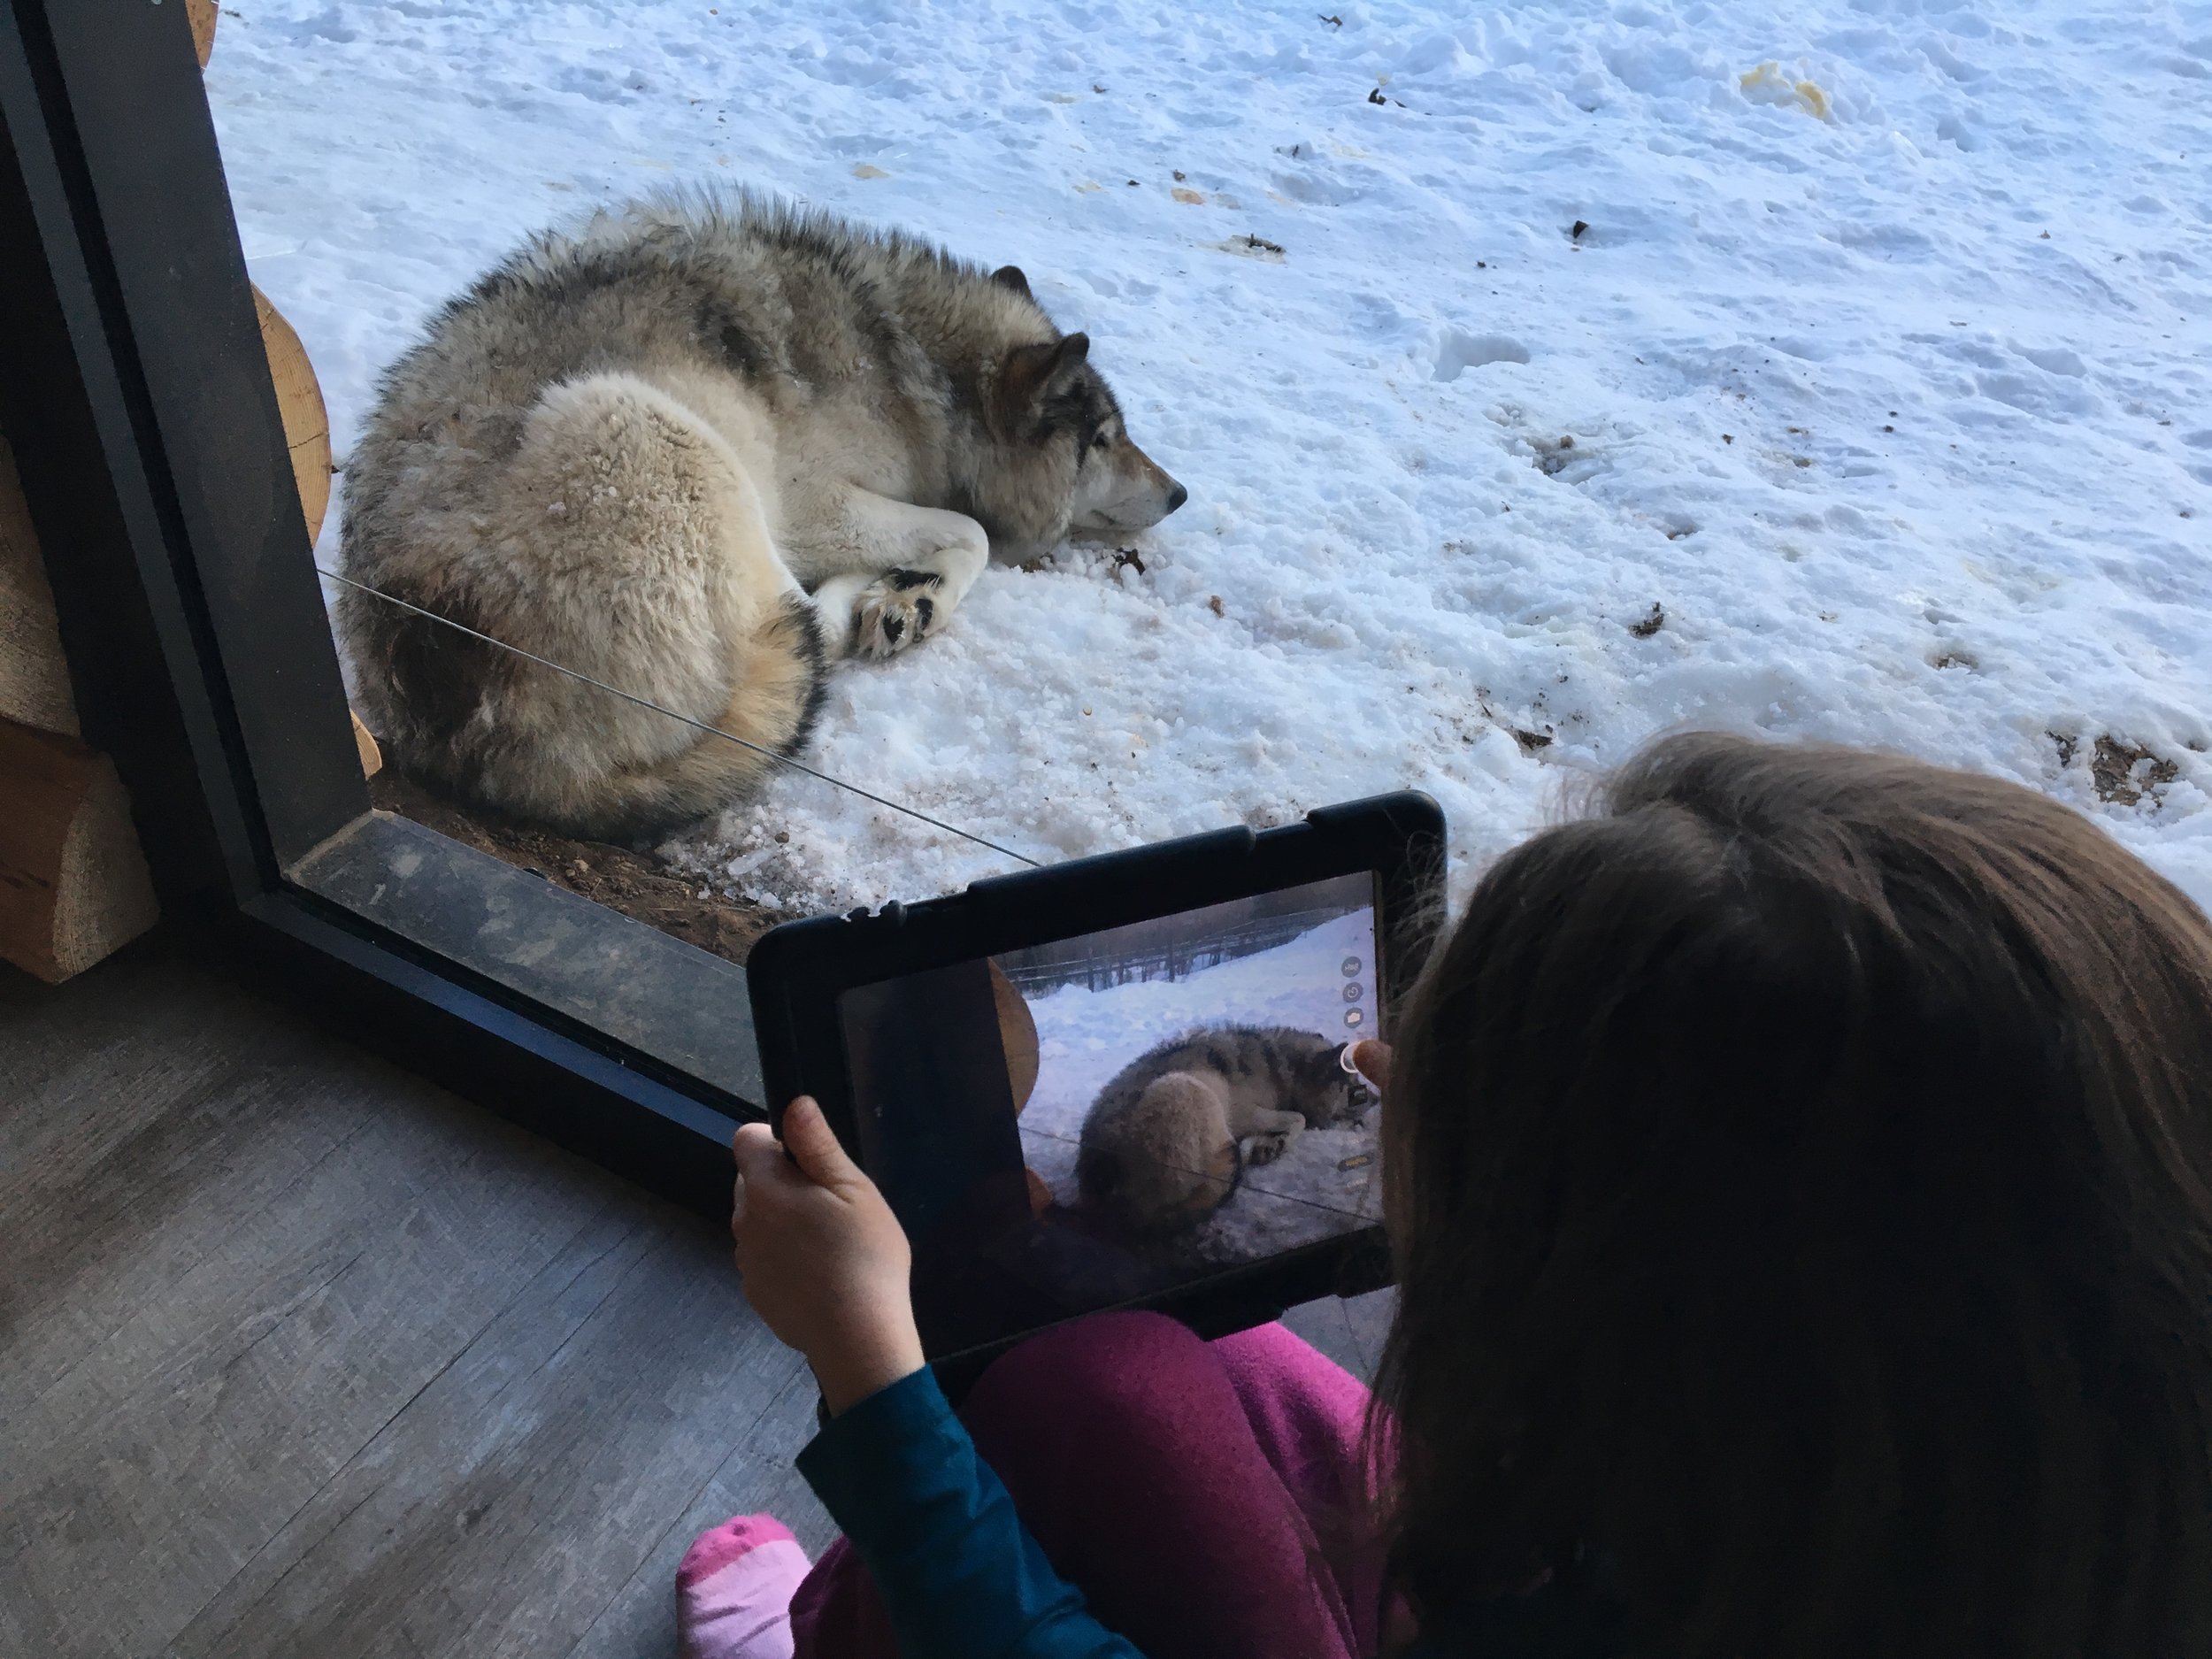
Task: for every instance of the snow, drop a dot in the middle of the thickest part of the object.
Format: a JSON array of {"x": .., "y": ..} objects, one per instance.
[
  {"x": 1083, "y": 1037},
  {"x": 1884, "y": 351}
]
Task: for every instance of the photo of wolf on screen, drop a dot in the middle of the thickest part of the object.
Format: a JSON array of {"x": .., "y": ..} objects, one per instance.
[{"x": 1101, "y": 1117}]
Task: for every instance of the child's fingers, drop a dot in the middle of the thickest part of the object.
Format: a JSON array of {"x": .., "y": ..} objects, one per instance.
[
  {"x": 756, "y": 1152},
  {"x": 813, "y": 1144},
  {"x": 744, "y": 1150},
  {"x": 1372, "y": 1057}
]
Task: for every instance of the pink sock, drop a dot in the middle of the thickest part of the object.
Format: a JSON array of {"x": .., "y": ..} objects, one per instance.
[{"x": 733, "y": 1590}]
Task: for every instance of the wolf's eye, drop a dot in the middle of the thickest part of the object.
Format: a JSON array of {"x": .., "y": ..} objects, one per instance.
[{"x": 1102, "y": 442}]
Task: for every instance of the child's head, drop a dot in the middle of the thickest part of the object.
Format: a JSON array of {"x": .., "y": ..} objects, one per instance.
[{"x": 1801, "y": 1190}]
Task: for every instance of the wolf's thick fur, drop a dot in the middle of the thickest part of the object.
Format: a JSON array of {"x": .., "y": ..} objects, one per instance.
[
  {"x": 695, "y": 449},
  {"x": 1168, "y": 1138}
]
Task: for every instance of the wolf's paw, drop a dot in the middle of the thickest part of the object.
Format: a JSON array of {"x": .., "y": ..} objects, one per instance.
[
  {"x": 1267, "y": 1148},
  {"x": 894, "y": 611}
]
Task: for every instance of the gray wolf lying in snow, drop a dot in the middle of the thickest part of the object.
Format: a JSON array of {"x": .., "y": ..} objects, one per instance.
[
  {"x": 696, "y": 449},
  {"x": 1168, "y": 1137}
]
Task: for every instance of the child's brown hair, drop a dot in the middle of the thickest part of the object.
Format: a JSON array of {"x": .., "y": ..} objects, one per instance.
[{"x": 1802, "y": 1185}]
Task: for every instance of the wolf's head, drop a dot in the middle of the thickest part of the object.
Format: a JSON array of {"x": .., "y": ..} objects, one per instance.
[
  {"x": 1329, "y": 1094},
  {"x": 1058, "y": 457}
]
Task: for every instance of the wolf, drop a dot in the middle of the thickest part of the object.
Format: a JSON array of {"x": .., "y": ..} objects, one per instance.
[
  {"x": 699, "y": 448},
  {"x": 1167, "y": 1139}
]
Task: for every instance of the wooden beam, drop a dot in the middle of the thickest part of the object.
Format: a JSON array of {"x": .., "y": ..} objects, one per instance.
[
  {"x": 203, "y": 16},
  {"x": 364, "y": 745},
  {"x": 73, "y": 883},
  {"x": 300, "y": 402}
]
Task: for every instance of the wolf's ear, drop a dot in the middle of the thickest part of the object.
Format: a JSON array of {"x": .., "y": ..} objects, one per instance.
[
  {"x": 1010, "y": 276},
  {"x": 1032, "y": 373}
]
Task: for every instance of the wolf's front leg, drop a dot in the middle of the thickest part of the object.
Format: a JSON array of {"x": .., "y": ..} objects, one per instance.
[
  {"x": 1272, "y": 1134},
  {"x": 884, "y": 573}
]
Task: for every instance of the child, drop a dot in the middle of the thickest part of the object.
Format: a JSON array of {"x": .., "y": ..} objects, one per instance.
[{"x": 1800, "y": 1176}]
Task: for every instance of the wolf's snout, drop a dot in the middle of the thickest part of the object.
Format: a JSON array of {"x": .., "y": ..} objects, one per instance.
[{"x": 1132, "y": 492}]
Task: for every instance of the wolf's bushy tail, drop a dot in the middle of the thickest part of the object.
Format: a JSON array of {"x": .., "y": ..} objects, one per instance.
[
  {"x": 773, "y": 707},
  {"x": 622, "y": 539}
]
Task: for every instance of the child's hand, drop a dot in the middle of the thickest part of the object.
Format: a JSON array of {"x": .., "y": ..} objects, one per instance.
[
  {"x": 825, "y": 1260},
  {"x": 1372, "y": 1059}
]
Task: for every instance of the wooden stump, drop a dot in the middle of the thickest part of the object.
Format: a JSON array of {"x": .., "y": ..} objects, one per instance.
[
  {"x": 1018, "y": 1035},
  {"x": 300, "y": 401},
  {"x": 74, "y": 885},
  {"x": 33, "y": 678},
  {"x": 201, "y": 15},
  {"x": 1040, "y": 1194}
]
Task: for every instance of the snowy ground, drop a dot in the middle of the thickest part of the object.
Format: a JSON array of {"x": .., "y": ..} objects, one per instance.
[
  {"x": 1888, "y": 397},
  {"x": 1083, "y": 1037}
]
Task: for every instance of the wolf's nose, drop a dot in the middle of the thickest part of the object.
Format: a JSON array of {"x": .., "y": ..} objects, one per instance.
[{"x": 1176, "y": 497}]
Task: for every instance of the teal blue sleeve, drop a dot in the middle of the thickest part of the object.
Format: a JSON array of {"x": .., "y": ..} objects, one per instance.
[{"x": 958, "y": 1572}]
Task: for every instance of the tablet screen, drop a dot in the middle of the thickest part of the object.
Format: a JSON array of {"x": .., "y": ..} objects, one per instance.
[{"x": 1086, "y": 1122}]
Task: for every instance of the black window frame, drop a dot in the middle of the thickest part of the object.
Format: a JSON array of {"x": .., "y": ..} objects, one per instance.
[{"x": 136, "y": 394}]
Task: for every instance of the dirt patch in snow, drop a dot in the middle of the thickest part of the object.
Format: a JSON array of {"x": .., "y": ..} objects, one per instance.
[{"x": 632, "y": 883}]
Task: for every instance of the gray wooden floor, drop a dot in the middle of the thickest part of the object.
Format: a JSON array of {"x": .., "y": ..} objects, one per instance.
[{"x": 302, "y": 1357}]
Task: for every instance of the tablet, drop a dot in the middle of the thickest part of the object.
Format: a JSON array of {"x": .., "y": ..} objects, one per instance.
[{"x": 1121, "y": 1081}]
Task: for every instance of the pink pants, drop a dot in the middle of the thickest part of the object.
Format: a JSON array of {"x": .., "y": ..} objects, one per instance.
[{"x": 1206, "y": 1497}]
